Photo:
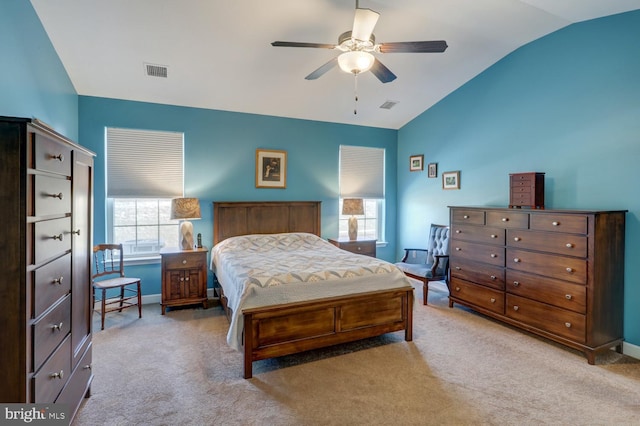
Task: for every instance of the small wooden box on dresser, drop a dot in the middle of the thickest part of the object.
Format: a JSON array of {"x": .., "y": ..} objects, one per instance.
[
  {"x": 46, "y": 205},
  {"x": 184, "y": 277},
  {"x": 366, "y": 247},
  {"x": 555, "y": 273}
]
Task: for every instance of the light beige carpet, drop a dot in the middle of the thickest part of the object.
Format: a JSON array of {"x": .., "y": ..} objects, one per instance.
[{"x": 460, "y": 369}]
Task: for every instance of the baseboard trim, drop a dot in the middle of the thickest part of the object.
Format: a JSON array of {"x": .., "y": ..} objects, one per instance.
[{"x": 631, "y": 350}]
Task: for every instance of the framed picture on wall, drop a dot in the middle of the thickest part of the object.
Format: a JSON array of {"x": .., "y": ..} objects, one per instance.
[
  {"x": 451, "y": 180},
  {"x": 271, "y": 168},
  {"x": 416, "y": 163},
  {"x": 432, "y": 170}
]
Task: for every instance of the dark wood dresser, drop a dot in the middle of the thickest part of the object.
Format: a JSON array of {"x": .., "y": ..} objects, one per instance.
[
  {"x": 555, "y": 273},
  {"x": 366, "y": 247},
  {"x": 46, "y": 187},
  {"x": 184, "y": 277}
]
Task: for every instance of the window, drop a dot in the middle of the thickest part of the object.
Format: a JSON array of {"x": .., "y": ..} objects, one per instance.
[
  {"x": 362, "y": 176},
  {"x": 144, "y": 172}
]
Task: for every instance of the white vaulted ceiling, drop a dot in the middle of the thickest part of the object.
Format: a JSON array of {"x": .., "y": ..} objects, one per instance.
[{"x": 219, "y": 56}]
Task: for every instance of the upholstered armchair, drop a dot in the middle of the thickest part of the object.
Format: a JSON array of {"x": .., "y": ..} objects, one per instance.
[{"x": 430, "y": 263}]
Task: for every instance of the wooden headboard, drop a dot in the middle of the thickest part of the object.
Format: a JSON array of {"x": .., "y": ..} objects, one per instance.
[{"x": 235, "y": 218}]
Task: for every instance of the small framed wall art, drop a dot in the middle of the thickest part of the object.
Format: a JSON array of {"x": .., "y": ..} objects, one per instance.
[
  {"x": 416, "y": 163},
  {"x": 451, "y": 180},
  {"x": 271, "y": 168},
  {"x": 432, "y": 170}
]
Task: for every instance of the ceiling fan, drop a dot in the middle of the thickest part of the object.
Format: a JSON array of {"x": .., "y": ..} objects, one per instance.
[{"x": 359, "y": 44}]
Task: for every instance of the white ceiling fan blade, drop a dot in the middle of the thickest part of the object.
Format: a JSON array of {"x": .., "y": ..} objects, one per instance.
[{"x": 363, "y": 24}]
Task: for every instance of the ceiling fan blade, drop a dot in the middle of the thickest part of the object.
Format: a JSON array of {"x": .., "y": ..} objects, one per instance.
[
  {"x": 434, "y": 46},
  {"x": 297, "y": 44},
  {"x": 364, "y": 23},
  {"x": 323, "y": 69},
  {"x": 383, "y": 73}
]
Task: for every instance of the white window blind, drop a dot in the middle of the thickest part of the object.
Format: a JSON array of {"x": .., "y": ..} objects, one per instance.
[
  {"x": 144, "y": 163},
  {"x": 361, "y": 172}
]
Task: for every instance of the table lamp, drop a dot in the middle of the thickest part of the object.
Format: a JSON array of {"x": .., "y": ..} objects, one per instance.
[
  {"x": 185, "y": 209},
  {"x": 353, "y": 206}
]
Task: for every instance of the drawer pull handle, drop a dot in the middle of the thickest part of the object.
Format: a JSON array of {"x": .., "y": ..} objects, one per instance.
[
  {"x": 59, "y": 195},
  {"x": 569, "y": 270},
  {"x": 458, "y": 268},
  {"x": 359, "y": 248},
  {"x": 76, "y": 232},
  {"x": 458, "y": 231},
  {"x": 59, "y": 375},
  {"x": 517, "y": 260},
  {"x": 505, "y": 219},
  {"x": 57, "y": 327},
  {"x": 516, "y": 283},
  {"x": 58, "y": 237},
  {"x": 516, "y": 307},
  {"x": 458, "y": 249},
  {"x": 457, "y": 288},
  {"x": 186, "y": 279},
  {"x": 184, "y": 262},
  {"x": 58, "y": 157},
  {"x": 493, "y": 300},
  {"x": 493, "y": 255},
  {"x": 494, "y": 236},
  {"x": 465, "y": 216},
  {"x": 181, "y": 279},
  {"x": 568, "y": 296},
  {"x": 569, "y": 245},
  {"x": 493, "y": 277},
  {"x": 57, "y": 280},
  {"x": 567, "y": 324},
  {"x": 87, "y": 367},
  {"x": 555, "y": 223},
  {"x": 516, "y": 239}
]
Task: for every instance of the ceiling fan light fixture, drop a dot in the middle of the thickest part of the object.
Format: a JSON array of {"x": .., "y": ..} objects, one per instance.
[{"x": 355, "y": 62}]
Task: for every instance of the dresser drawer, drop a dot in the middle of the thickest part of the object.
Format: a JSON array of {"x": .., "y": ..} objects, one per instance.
[
  {"x": 493, "y": 255},
  {"x": 50, "y": 283},
  {"x": 185, "y": 260},
  {"x": 521, "y": 198},
  {"x": 469, "y": 216},
  {"x": 521, "y": 181},
  {"x": 51, "y": 238},
  {"x": 575, "y": 224},
  {"x": 78, "y": 382},
  {"x": 49, "y": 381},
  {"x": 51, "y": 156},
  {"x": 553, "y": 292},
  {"x": 566, "y": 244},
  {"x": 51, "y": 195},
  {"x": 560, "y": 267},
  {"x": 481, "y": 296},
  {"x": 508, "y": 219},
  {"x": 478, "y": 234},
  {"x": 367, "y": 248},
  {"x": 561, "y": 322},
  {"x": 481, "y": 273},
  {"x": 49, "y": 331}
]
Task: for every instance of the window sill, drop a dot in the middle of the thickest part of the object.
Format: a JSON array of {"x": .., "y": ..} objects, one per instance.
[
  {"x": 147, "y": 260},
  {"x": 381, "y": 243}
]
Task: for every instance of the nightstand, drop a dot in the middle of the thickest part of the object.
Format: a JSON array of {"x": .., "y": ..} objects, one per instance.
[
  {"x": 184, "y": 277},
  {"x": 366, "y": 247}
]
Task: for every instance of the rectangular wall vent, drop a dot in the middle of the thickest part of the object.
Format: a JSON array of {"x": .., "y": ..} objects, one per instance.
[
  {"x": 388, "y": 104},
  {"x": 156, "y": 70}
]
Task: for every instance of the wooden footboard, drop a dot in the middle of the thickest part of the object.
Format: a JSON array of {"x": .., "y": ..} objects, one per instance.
[{"x": 280, "y": 330}]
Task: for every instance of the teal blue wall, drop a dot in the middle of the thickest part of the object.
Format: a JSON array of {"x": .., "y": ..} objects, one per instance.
[
  {"x": 33, "y": 82},
  {"x": 567, "y": 105},
  {"x": 220, "y": 160}
]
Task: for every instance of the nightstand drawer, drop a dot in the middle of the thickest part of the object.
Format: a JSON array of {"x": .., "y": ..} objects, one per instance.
[
  {"x": 365, "y": 247},
  {"x": 185, "y": 260}
]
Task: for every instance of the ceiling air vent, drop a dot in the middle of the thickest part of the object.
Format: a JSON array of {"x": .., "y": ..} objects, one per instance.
[
  {"x": 388, "y": 104},
  {"x": 156, "y": 70}
]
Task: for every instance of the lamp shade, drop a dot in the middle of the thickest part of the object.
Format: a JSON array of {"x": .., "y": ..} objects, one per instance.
[
  {"x": 355, "y": 61},
  {"x": 352, "y": 206},
  {"x": 185, "y": 209}
]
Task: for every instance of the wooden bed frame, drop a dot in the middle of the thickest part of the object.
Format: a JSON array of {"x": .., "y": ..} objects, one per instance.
[{"x": 279, "y": 330}]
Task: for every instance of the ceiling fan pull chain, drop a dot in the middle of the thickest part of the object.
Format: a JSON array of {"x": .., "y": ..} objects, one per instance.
[{"x": 355, "y": 93}]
